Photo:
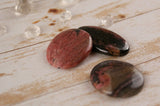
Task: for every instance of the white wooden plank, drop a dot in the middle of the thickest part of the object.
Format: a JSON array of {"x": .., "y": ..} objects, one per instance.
[
  {"x": 6, "y": 3},
  {"x": 87, "y": 12},
  {"x": 86, "y": 95},
  {"x": 25, "y": 73}
]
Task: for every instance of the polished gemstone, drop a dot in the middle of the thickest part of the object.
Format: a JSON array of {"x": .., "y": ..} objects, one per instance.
[
  {"x": 69, "y": 48},
  {"x": 117, "y": 79},
  {"x": 106, "y": 41}
]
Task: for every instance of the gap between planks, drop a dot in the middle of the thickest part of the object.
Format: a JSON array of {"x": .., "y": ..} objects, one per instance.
[
  {"x": 51, "y": 39},
  {"x": 34, "y": 98}
]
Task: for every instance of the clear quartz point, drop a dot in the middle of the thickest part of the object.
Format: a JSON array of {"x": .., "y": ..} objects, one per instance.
[
  {"x": 66, "y": 16},
  {"x": 107, "y": 21},
  {"x": 32, "y": 31},
  {"x": 68, "y": 2},
  {"x": 22, "y": 7},
  {"x": 3, "y": 29}
]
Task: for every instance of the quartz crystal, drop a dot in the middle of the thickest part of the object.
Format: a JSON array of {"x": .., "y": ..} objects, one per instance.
[
  {"x": 69, "y": 48},
  {"x": 68, "y": 2},
  {"x": 22, "y": 7},
  {"x": 66, "y": 16},
  {"x": 3, "y": 29},
  {"x": 117, "y": 79},
  {"x": 107, "y": 21},
  {"x": 32, "y": 31}
]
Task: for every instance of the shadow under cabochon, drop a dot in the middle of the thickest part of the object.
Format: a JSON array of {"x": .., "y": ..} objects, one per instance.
[
  {"x": 69, "y": 48},
  {"x": 117, "y": 79},
  {"x": 106, "y": 41}
]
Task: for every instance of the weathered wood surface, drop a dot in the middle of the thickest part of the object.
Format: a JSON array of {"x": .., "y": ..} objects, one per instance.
[
  {"x": 27, "y": 79},
  {"x": 85, "y": 95},
  {"x": 83, "y": 15}
]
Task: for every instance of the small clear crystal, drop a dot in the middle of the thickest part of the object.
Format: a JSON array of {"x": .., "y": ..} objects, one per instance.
[
  {"x": 22, "y": 7},
  {"x": 32, "y": 31},
  {"x": 3, "y": 29},
  {"x": 68, "y": 2},
  {"x": 66, "y": 16},
  {"x": 107, "y": 21}
]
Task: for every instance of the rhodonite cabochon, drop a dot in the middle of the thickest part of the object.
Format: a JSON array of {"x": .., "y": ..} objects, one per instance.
[
  {"x": 106, "y": 41},
  {"x": 117, "y": 79},
  {"x": 69, "y": 48}
]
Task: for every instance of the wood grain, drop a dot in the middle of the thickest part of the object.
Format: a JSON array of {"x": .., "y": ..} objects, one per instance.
[
  {"x": 26, "y": 78},
  {"x": 82, "y": 15},
  {"x": 32, "y": 76},
  {"x": 85, "y": 94}
]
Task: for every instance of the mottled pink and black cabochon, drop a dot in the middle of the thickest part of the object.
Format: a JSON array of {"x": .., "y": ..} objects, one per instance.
[
  {"x": 117, "y": 79},
  {"x": 69, "y": 48},
  {"x": 106, "y": 41}
]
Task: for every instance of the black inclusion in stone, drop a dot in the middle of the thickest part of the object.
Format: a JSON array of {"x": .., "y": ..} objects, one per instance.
[
  {"x": 77, "y": 31},
  {"x": 106, "y": 41}
]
